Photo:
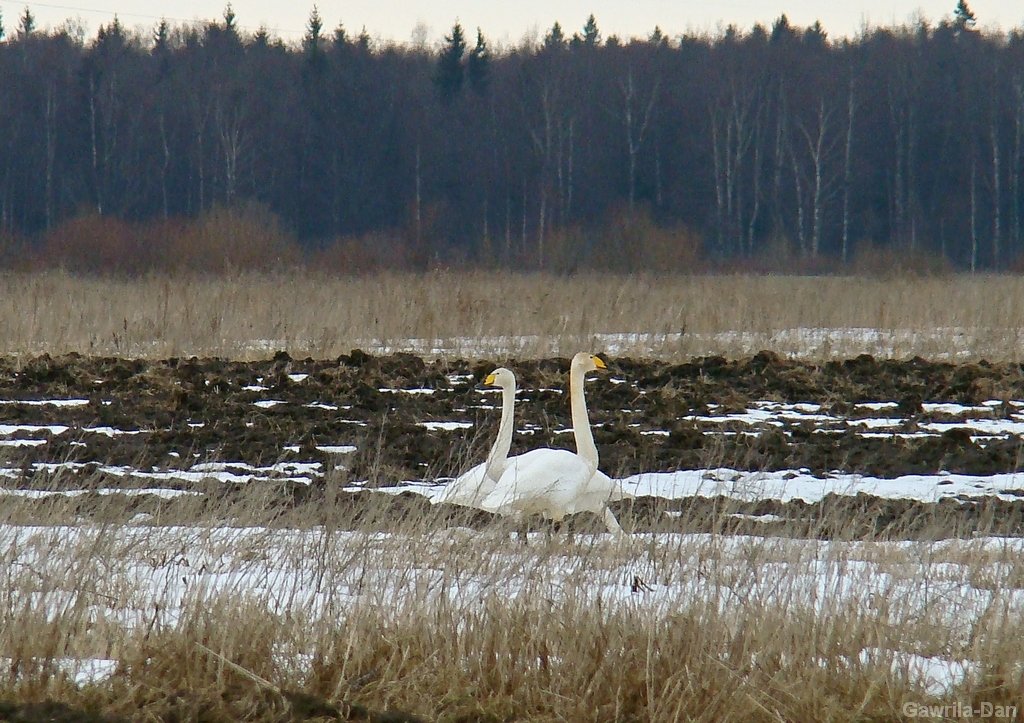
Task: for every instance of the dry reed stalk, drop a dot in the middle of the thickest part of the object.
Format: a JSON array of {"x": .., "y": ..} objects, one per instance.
[{"x": 526, "y": 315}]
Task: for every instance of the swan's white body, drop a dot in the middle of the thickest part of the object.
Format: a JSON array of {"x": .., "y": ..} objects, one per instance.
[
  {"x": 553, "y": 483},
  {"x": 556, "y": 482},
  {"x": 470, "y": 488}
]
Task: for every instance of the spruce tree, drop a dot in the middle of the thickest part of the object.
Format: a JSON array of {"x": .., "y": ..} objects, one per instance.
[
  {"x": 555, "y": 38},
  {"x": 450, "y": 73},
  {"x": 26, "y": 24},
  {"x": 815, "y": 35},
  {"x": 229, "y": 19},
  {"x": 963, "y": 17},
  {"x": 340, "y": 37},
  {"x": 161, "y": 37},
  {"x": 313, "y": 38},
  {"x": 363, "y": 41},
  {"x": 782, "y": 31},
  {"x": 591, "y": 35},
  {"x": 478, "y": 67}
]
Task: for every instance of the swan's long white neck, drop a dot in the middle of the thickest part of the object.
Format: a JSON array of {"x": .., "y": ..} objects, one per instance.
[
  {"x": 585, "y": 446},
  {"x": 498, "y": 456}
]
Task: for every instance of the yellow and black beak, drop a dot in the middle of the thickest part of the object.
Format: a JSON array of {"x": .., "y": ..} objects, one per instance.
[
  {"x": 489, "y": 380},
  {"x": 599, "y": 363}
]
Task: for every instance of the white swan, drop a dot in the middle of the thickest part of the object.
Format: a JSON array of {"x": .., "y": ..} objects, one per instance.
[
  {"x": 556, "y": 482},
  {"x": 471, "y": 487}
]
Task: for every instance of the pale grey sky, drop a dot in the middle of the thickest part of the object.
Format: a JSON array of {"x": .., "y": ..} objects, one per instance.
[{"x": 508, "y": 22}]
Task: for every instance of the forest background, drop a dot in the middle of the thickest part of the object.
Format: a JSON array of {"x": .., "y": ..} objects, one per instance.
[{"x": 200, "y": 147}]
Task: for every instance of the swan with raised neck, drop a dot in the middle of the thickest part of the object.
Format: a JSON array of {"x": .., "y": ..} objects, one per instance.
[
  {"x": 471, "y": 487},
  {"x": 585, "y": 446},
  {"x": 497, "y": 458}
]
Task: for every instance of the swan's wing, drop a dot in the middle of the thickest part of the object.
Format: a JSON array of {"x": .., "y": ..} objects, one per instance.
[
  {"x": 615, "y": 486},
  {"x": 594, "y": 494},
  {"x": 542, "y": 481},
  {"x": 468, "y": 489}
]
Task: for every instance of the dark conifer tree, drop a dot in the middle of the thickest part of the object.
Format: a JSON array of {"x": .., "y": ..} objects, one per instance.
[
  {"x": 963, "y": 17},
  {"x": 27, "y": 23},
  {"x": 591, "y": 35},
  {"x": 815, "y": 36},
  {"x": 312, "y": 41},
  {"x": 340, "y": 39},
  {"x": 363, "y": 41},
  {"x": 450, "y": 71},
  {"x": 478, "y": 67},
  {"x": 554, "y": 39},
  {"x": 229, "y": 20},
  {"x": 782, "y": 31},
  {"x": 161, "y": 38}
]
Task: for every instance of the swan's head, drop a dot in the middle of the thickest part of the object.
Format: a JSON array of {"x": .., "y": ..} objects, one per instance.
[
  {"x": 500, "y": 377},
  {"x": 588, "y": 362}
]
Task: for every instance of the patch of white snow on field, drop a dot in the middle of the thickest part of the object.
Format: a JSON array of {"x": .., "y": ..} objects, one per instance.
[
  {"x": 47, "y": 402},
  {"x": 985, "y": 426},
  {"x": 162, "y": 492},
  {"x": 111, "y": 431},
  {"x": 937, "y": 675},
  {"x": 336, "y": 448},
  {"x": 798, "y": 484},
  {"x": 434, "y": 426},
  {"x": 83, "y": 671},
  {"x": 8, "y": 429},
  {"x": 787, "y": 485}
]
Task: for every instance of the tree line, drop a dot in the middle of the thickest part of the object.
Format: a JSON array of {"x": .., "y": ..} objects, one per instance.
[{"x": 770, "y": 142}]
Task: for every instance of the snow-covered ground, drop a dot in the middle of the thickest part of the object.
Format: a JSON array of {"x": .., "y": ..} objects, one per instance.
[{"x": 787, "y": 485}]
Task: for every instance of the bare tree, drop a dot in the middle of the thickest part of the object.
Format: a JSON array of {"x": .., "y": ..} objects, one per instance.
[
  {"x": 848, "y": 165},
  {"x": 735, "y": 116},
  {"x": 997, "y": 181},
  {"x": 636, "y": 117},
  {"x": 1018, "y": 159},
  {"x": 820, "y": 142}
]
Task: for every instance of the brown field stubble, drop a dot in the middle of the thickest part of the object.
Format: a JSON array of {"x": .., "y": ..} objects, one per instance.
[{"x": 526, "y": 315}]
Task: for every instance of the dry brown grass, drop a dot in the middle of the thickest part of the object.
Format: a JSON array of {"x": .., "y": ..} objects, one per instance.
[
  {"x": 215, "y": 623},
  {"x": 485, "y": 313}
]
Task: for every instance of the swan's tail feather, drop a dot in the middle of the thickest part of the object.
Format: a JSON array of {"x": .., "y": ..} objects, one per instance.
[{"x": 611, "y": 523}]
